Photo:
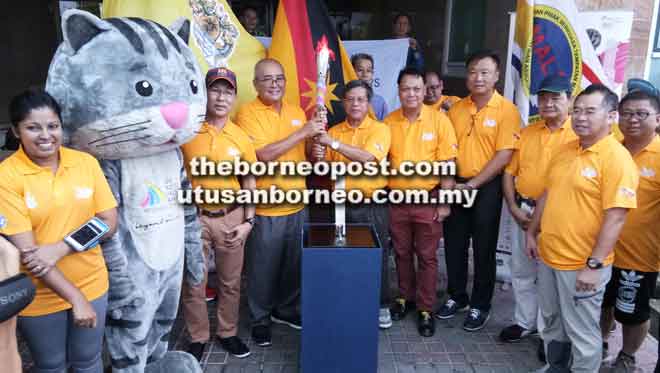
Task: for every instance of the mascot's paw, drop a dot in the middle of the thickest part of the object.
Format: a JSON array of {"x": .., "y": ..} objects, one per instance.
[
  {"x": 174, "y": 361},
  {"x": 117, "y": 305}
]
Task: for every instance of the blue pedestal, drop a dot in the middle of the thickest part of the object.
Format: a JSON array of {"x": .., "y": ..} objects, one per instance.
[{"x": 340, "y": 300}]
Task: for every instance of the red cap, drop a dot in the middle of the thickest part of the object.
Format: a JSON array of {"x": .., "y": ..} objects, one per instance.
[{"x": 221, "y": 73}]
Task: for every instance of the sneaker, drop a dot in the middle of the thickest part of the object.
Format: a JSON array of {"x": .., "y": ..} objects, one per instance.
[
  {"x": 235, "y": 346},
  {"x": 384, "y": 318},
  {"x": 261, "y": 335},
  {"x": 196, "y": 349},
  {"x": 475, "y": 320},
  {"x": 425, "y": 324},
  {"x": 290, "y": 322},
  {"x": 450, "y": 309},
  {"x": 211, "y": 294},
  {"x": 400, "y": 308},
  {"x": 624, "y": 364},
  {"x": 515, "y": 332}
]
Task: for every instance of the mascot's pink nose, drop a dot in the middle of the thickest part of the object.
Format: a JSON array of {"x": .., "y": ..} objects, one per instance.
[{"x": 175, "y": 114}]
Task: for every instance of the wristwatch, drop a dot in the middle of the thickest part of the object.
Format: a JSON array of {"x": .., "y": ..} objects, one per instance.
[
  {"x": 594, "y": 263},
  {"x": 334, "y": 144},
  {"x": 250, "y": 221}
]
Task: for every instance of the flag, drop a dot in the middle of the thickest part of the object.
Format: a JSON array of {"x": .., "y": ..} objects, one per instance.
[
  {"x": 218, "y": 38},
  {"x": 299, "y": 26},
  {"x": 549, "y": 39}
]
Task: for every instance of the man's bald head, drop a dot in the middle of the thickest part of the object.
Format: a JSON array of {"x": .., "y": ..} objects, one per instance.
[{"x": 269, "y": 81}]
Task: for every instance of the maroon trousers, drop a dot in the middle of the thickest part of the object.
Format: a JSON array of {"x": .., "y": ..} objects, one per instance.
[{"x": 414, "y": 232}]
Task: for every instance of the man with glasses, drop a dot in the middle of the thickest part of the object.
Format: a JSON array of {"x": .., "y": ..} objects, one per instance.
[
  {"x": 487, "y": 127},
  {"x": 636, "y": 261},
  {"x": 434, "y": 97},
  {"x": 590, "y": 185},
  {"x": 419, "y": 134},
  {"x": 522, "y": 184},
  {"x": 279, "y": 132},
  {"x": 362, "y": 139}
]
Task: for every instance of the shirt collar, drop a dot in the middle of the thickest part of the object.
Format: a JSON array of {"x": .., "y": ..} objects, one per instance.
[
  {"x": 654, "y": 145},
  {"x": 345, "y": 126},
  {"x": 423, "y": 114},
  {"x": 27, "y": 167},
  {"x": 602, "y": 144},
  {"x": 493, "y": 102},
  {"x": 565, "y": 125},
  {"x": 259, "y": 105}
]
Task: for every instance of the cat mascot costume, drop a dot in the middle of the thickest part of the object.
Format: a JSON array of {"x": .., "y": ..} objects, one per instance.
[{"x": 131, "y": 93}]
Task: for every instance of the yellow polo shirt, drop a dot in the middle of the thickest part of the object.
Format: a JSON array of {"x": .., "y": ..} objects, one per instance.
[
  {"x": 370, "y": 135},
  {"x": 638, "y": 246},
  {"x": 264, "y": 125},
  {"x": 581, "y": 185},
  {"x": 218, "y": 145},
  {"x": 532, "y": 154},
  {"x": 52, "y": 206},
  {"x": 452, "y": 100},
  {"x": 429, "y": 138},
  {"x": 482, "y": 133}
]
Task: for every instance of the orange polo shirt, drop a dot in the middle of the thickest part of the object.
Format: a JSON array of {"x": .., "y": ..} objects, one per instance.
[
  {"x": 581, "y": 185},
  {"x": 482, "y": 133},
  {"x": 532, "y": 154},
  {"x": 370, "y": 135},
  {"x": 218, "y": 145},
  {"x": 638, "y": 246},
  {"x": 429, "y": 138},
  {"x": 452, "y": 100},
  {"x": 264, "y": 125},
  {"x": 52, "y": 206}
]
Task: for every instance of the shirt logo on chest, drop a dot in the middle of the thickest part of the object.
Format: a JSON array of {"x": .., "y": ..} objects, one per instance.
[
  {"x": 3, "y": 222},
  {"x": 647, "y": 172},
  {"x": 490, "y": 123},
  {"x": 30, "y": 201},
  {"x": 378, "y": 147},
  {"x": 589, "y": 172},
  {"x": 233, "y": 152},
  {"x": 154, "y": 196},
  {"x": 82, "y": 192},
  {"x": 427, "y": 136}
]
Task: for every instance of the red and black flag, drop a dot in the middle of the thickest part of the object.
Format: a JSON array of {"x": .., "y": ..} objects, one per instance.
[{"x": 299, "y": 27}]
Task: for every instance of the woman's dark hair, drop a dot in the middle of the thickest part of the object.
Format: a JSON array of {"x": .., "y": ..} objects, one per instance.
[{"x": 22, "y": 104}]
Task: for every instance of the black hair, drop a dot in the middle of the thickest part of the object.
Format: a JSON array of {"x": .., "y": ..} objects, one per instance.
[
  {"x": 402, "y": 14},
  {"x": 480, "y": 55},
  {"x": 610, "y": 99},
  {"x": 437, "y": 73},
  {"x": 410, "y": 71},
  {"x": 639, "y": 95},
  {"x": 246, "y": 8},
  {"x": 22, "y": 104},
  {"x": 357, "y": 83},
  {"x": 362, "y": 56}
]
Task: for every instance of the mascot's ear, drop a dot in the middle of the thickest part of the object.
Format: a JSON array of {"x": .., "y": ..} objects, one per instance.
[
  {"x": 79, "y": 27},
  {"x": 181, "y": 27}
]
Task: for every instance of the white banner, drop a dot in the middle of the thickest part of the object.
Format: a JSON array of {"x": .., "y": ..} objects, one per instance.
[{"x": 389, "y": 58}]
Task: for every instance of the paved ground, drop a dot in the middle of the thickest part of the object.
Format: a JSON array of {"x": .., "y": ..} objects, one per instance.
[{"x": 401, "y": 349}]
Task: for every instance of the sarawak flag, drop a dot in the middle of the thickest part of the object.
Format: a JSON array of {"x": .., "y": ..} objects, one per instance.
[
  {"x": 217, "y": 38},
  {"x": 299, "y": 25},
  {"x": 549, "y": 39}
]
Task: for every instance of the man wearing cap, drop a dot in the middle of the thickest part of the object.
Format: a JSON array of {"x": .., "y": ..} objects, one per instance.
[
  {"x": 636, "y": 260},
  {"x": 279, "y": 132},
  {"x": 487, "y": 126},
  {"x": 590, "y": 184},
  {"x": 522, "y": 184},
  {"x": 225, "y": 228}
]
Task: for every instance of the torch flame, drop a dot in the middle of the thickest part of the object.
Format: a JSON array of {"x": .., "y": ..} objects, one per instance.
[{"x": 322, "y": 44}]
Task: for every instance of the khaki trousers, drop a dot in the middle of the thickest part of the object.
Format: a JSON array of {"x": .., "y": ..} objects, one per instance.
[{"x": 228, "y": 264}]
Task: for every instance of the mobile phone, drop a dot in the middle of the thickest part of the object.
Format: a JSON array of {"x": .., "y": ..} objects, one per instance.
[{"x": 88, "y": 235}]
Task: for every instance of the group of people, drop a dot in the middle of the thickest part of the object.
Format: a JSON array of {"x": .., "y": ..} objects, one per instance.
[{"x": 584, "y": 202}]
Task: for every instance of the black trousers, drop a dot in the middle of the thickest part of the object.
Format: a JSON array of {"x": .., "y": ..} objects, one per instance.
[{"x": 480, "y": 222}]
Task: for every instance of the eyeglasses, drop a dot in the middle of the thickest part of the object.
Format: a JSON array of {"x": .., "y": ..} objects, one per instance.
[
  {"x": 279, "y": 79},
  {"x": 628, "y": 115}
]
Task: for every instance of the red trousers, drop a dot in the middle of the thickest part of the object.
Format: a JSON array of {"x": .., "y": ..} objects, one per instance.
[{"x": 414, "y": 232}]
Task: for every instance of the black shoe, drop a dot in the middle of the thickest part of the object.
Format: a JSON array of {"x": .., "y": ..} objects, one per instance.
[
  {"x": 475, "y": 320},
  {"x": 261, "y": 335},
  {"x": 235, "y": 346},
  {"x": 400, "y": 308},
  {"x": 540, "y": 352},
  {"x": 515, "y": 332},
  {"x": 450, "y": 309},
  {"x": 196, "y": 349},
  {"x": 425, "y": 324},
  {"x": 290, "y": 322}
]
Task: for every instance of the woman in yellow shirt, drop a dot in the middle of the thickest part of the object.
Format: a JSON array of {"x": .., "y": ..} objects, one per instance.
[{"x": 49, "y": 191}]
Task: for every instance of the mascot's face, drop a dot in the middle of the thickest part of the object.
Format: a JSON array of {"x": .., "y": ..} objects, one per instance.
[{"x": 128, "y": 87}]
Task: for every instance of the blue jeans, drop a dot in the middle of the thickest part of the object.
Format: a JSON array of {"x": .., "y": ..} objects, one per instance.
[{"x": 56, "y": 344}]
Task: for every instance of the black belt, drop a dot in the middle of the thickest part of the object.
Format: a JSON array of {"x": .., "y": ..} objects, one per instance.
[
  {"x": 528, "y": 201},
  {"x": 218, "y": 213}
]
